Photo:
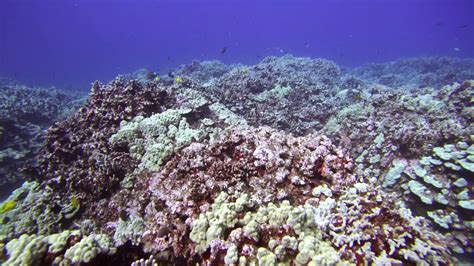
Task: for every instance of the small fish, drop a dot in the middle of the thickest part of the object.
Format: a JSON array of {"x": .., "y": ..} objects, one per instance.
[
  {"x": 243, "y": 70},
  {"x": 75, "y": 202},
  {"x": 123, "y": 215},
  {"x": 5, "y": 220},
  {"x": 307, "y": 45},
  {"x": 464, "y": 26},
  {"x": 223, "y": 50},
  {"x": 169, "y": 58},
  {"x": 151, "y": 75},
  {"x": 157, "y": 78},
  {"x": 456, "y": 49},
  {"x": 178, "y": 79},
  {"x": 163, "y": 231},
  {"x": 7, "y": 206}
]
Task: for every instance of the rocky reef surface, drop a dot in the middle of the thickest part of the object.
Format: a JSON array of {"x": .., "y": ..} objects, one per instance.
[
  {"x": 433, "y": 72},
  {"x": 25, "y": 113},
  {"x": 292, "y": 161}
]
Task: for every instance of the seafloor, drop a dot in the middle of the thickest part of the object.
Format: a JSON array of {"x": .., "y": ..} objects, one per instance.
[{"x": 293, "y": 161}]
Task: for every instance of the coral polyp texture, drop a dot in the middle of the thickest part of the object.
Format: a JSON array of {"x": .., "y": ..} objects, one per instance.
[{"x": 292, "y": 161}]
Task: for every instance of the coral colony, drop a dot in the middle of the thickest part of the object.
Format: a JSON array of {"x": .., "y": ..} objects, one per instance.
[{"x": 292, "y": 161}]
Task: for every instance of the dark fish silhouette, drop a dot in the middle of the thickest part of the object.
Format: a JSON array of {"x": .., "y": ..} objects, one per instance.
[
  {"x": 223, "y": 50},
  {"x": 464, "y": 26},
  {"x": 150, "y": 75},
  {"x": 169, "y": 58}
]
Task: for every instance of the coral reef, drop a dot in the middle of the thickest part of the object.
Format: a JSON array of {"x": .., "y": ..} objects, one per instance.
[
  {"x": 154, "y": 139},
  {"x": 388, "y": 122},
  {"x": 279, "y": 189},
  {"x": 88, "y": 248},
  {"x": 203, "y": 72},
  {"x": 25, "y": 250},
  {"x": 288, "y": 162},
  {"x": 260, "y": 162},
  {"x": 36, "y": 210},
  {"x": 418, "y": 72},
  {"x": 322, "y": 231},
  {"x": 199, "y": 72},
  {"x": 391, "y": 127},
  {"x": 443, "y": 183},
  {"x": 65, "y": 248},
  {"x": 25, "y": 113},
  {"x": 286, "y": 93},
  {"x": 77, "y": 155}
]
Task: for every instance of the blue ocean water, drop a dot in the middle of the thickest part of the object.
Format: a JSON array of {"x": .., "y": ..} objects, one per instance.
[{"x": 70, "y": 43}]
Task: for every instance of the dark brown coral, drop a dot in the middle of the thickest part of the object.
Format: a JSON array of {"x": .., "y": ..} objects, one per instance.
[
  {"x": 25, "y": 112},
  {"x": 77, "y": 154}
]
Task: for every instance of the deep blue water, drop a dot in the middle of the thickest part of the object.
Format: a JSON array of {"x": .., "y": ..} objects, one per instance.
[{"x": 73, "y": 42}]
